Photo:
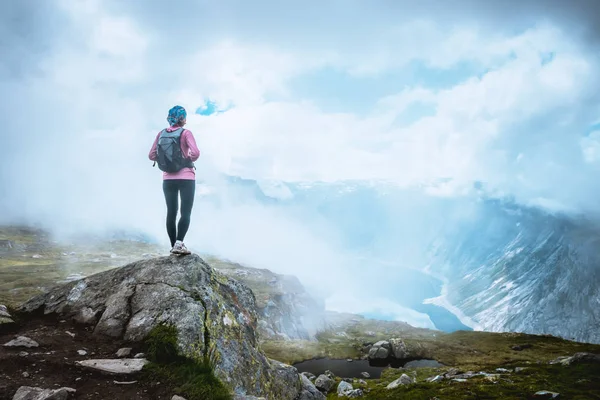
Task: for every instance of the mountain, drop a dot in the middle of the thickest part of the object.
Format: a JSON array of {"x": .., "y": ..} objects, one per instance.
[{"x": 470, "y": 260}]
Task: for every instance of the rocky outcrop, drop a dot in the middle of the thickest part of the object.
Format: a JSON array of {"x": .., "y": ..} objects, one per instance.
[
  {"x": 285, "y": 310},
  {"x": 214, "y": 316}
]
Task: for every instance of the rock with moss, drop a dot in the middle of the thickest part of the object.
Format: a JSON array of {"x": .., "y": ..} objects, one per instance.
[
  {"x": 214, "y": 317},
  {"x": 285, "y": 309},
  {"x": 310, "y": 391},
  {"x": 324, "y": 383},
  {"x": 380, "y": 350}
]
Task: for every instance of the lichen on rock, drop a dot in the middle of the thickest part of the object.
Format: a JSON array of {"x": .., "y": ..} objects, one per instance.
[{"x": 214, "y": 315}]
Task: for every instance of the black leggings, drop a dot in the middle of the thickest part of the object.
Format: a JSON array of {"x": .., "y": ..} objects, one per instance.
[{"x": 172, "y": 188}]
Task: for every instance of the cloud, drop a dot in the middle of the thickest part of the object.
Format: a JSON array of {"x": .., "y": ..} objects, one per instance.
[{"x": 87, "y": 86}]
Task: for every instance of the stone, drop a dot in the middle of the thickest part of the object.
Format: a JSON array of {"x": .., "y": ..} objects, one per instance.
[
  {"x": 521, "y": 347},
  {"x": 139, "y": 355},
  {"x": 365, "y": 375},
  {"x": 544, "y": 394},
  {"x": 175, "y": 397},
  {"x": 35, "y": 393},
  {"x": 120, "y": 366},
  {"x": 577, "y": 358},
  {"x": 330, "y": 374},
  {"x": 86, "y": 316},
  {"x": 310, "y": 376},
  {"x": 124, "y": 352},
  {"x": 343, "y": 387},
  {"x": 309, "y": 390},
  {"x": 355, "y": 393},
  {"x": 437, "y": 378},
  {"x": 25, "y": 374},
  {"x": 503, "y": 370},
  {"x": 210, "y": 311},
  {"x": 362, "y": 382},
  {"x": 399, "y": 349},
  {"x": 4, "y": 311},
  {"x": 452, "y": 372},
  {"x": 380, "y": 350},
  {"x": 82, "y": 352},
  {"x": 520, "y": 369},
  {"x": 23, "y": 354},
  {"x": 5, "y": 321},
  {"x": 22, "y": 341},
  {"x": 403, "y": 380},
  {"x": 324, "y": 383}
]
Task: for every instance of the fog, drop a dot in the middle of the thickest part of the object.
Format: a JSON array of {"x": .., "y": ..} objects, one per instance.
[{"x": 86, "y": 86}]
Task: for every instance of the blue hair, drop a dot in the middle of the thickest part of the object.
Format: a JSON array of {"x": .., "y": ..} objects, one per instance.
[{"x": 176, "y": 115}]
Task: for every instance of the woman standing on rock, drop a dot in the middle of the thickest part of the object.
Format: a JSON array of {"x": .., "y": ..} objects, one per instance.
[{"x": 175, "y": 150}]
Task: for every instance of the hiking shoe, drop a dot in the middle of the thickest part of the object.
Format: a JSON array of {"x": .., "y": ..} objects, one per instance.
[{"x": 180, "y": 248}]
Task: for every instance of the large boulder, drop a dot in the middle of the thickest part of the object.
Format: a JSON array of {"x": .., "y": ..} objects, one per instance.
[
  {"x": 214, "y": 315},
  {"x": 399, "y": 349},
  {"x": 380, "y": 350}
]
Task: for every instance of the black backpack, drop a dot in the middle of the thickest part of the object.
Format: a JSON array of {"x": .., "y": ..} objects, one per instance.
[{"x": 170, "y": 158}]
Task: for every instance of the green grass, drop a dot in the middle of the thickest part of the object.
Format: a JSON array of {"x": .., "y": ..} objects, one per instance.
[
  {"x": 576, "y": 382},
  {"x": 191, "y": 379}
]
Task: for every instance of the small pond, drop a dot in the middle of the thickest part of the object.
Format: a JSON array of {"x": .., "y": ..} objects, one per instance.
[{"x": 353, "y": 369}]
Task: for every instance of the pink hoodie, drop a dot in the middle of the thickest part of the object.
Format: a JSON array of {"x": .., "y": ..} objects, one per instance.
[{"x": 188, "y": 147}]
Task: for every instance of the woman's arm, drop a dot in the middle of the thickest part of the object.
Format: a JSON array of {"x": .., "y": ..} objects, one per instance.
[
  {"x": 152, "y": 155},
  {"x": 193, "y": 152}
]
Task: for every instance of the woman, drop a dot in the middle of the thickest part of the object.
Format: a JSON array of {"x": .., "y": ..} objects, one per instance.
[{"x": 179, "y": 177}]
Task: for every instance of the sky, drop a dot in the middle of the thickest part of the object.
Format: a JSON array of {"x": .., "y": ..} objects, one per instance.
[{"x": 499, "y": 92}]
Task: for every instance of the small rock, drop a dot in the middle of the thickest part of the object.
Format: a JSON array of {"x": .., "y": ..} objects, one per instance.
[
  {"x": 544, "y": 394},
  {"x": 452, "y": 372},
  {"x": 354, "y": 393},
  {"x": 124, "y": 352},
  {"x": 504, "y": 370},
  {"x": 349, "y": 380},
  {"x": 175, "y": 397},
  {"x": 520, "y": 369},
  {"x": 521, "y": 347},
  {"x": 437, "y": 378},
  {"x": 349, "y": 360},
  {"x": 81, "y": 352},
  {"x": 343, "y": 387},
  {"x": 35, "y": 393},
  {"x": 120, "y": 366},
  {"x": 324, "y": 383},
  {"x": 36, "y": 256},
  {"x": 577, "y": 358},
  {"x": 365, "y": 375},
  {"x": 403, "y": 380},
  {"x": 22, "y": 341},
  {"x": 70, "y": 334},
  {"x": 125, "y": 383},
  {"x": 459, "y": 380},
  {"x": 4, "y": 311},
  {"x": 362, "y": 382},
  {"x": 23, "y": 354},
  {"x": 139, "y": 355},
  {"x": 85, "y": 316},
  {"x": 330, "y": 374},
  {"x": 25, "y": 374},
  {"x": 311, "y": 377}
]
